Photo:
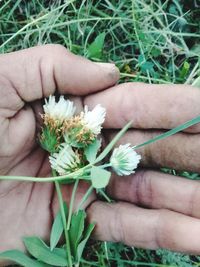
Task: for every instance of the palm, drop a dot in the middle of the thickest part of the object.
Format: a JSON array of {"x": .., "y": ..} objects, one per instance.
[{"x": 32, "y": 199}]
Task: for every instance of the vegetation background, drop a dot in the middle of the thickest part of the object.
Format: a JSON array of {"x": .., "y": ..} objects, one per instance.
[{"x": 152, "y": 41}]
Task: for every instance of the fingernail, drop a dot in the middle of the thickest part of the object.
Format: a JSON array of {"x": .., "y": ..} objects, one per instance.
[{"x": 110, "y": 68}]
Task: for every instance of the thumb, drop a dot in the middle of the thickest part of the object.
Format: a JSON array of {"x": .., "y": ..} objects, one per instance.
[{"x": 36, "y": 72}]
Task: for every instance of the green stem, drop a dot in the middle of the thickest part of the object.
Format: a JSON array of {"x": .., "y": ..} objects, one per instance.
[
  {"x": 105, "y": 165},
  {"x": 71, "y": 204},
  {"x": 85, "y": 197},
  {"x": 74, "y": 175},
  {"x": 60, "y": 199},
  {"x": 104, "y": 195}
]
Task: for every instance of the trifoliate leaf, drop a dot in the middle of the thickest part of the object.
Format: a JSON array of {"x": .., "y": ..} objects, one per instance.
[
  {"x": 92, "y": 150},
  {"x": 99, "y": 177}
]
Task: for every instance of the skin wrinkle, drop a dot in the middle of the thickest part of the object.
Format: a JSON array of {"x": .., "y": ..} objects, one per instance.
[
  {"x": 165, "y": 235},
  {"x": 119, "y": 226},
  {"x": 17, "y": 104},
  {"x": 158, "y": 232},
  {"x": 146, "y": 188},
  {"x": 41, "y": 77},
  {"x": 9, "y": 191},
  {"x": 29, "y": 197},
  {"x": 29, "y": 153},
  {"x": 33, "y": 184}
]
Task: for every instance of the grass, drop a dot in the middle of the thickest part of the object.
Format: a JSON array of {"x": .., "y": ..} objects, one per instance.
[{"x": 150, "y": 41}]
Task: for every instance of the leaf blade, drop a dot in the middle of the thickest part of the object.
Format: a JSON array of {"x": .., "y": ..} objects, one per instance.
[
  {"x": 99, "y": 177},
  {"x": 92, "y": 150},
  {"x": 82, "y": 244},
  {"x": 38, "y": 249},
  {"x": 171, "y": 132},
  {"x": 20, "y": 258},
  {"x": 95, "y": 48}
]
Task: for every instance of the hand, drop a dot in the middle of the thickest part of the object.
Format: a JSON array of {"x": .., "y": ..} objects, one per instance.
[
  {"x": 153, "y": 209},
  {"x": 29, "y": 82},
  {"x": 26, "y": 77}
]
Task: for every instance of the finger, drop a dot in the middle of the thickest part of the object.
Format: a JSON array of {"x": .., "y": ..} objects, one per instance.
[
  {"x": 158, "y": 190},
  {"x": 38, "y": 71},
  {"x": 180, "y": 151},
  {"x": 148, "y": 106},
  {"x": 134, "y": 226}
]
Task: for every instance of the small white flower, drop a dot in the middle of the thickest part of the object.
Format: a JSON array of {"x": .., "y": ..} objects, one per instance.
[
  {"x": 65, "y": 161},
  {"x": 94, "y": 119},
  {"x": 124, "y": 160},
  {"x": 61, "y": 110}
]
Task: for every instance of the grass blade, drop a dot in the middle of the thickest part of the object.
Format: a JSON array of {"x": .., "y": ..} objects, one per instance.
[{"x": 171, "y": 132}]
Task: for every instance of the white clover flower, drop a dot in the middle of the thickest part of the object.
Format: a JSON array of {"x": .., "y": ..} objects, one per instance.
[
  {"x": 94, "y": 119},
  {"x": 124, "y": 160},
  {"x": 61, "y": 110},
  {"x": 65, "y": 161}
]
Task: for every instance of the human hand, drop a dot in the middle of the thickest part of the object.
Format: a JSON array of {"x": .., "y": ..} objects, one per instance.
[
  {"x": 26, "y": 77},
  {"x": 122, "y": 221},
  {"x": 153, "y": 209}
]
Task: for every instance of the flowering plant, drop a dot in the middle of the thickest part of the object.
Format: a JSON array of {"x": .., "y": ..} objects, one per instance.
[
  {"x": 73, "y": 143},
  {"x": 75, "y": 153}
]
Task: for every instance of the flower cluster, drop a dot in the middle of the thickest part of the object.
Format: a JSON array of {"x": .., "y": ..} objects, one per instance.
[{"x": 67, "y": 137}]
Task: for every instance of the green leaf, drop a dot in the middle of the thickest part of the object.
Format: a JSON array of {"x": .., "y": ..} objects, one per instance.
[
  {"x": 96, "y": 47},
  {"x": 184, "y": 70},
  {"x": 91, "y": 150},
  {"x": 171, "y": 132},
  {"x": 37, "y": 248},
  {"x": 20, "y": 258},
  {"x": 113, "y": 142},
  {"x": 76, "y": 230},
  {"x": 57, "y": 229},
  {"x": 82, "y": 244},
  {"x": 99, "y": 177}
]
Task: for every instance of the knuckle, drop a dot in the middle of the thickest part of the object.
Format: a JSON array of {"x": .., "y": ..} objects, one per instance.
[
  {"x": 55, "y": 48},
  {"x": 143, "y": 188},
  {"x": 164, "y": 231},
  {"x": 118, "y": 232},
  {"x": 129, "y": 106}
]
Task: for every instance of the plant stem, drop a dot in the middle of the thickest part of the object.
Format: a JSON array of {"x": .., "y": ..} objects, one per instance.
[
  {"x": 104, "y": 195},
  {"x": 71, "y": 204},
  {"x": 85, "y": 197},
  {"x": 105, "y": 165},
  {"x": 74, "y": 175},
  {"x": 60, "y": 199}
]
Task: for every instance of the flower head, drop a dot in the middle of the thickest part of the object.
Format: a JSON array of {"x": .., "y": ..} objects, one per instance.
[
  {"x": 82, "y": 130},
  {"x": 94, "y": 119},
  {"x": 65, "y": 161},
  {"x": 59, "y": 111},
  {"x": 124, "y": 160}
]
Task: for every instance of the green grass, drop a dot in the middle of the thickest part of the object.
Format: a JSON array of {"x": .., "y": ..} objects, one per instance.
[{"x": 150, "y": 41}]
